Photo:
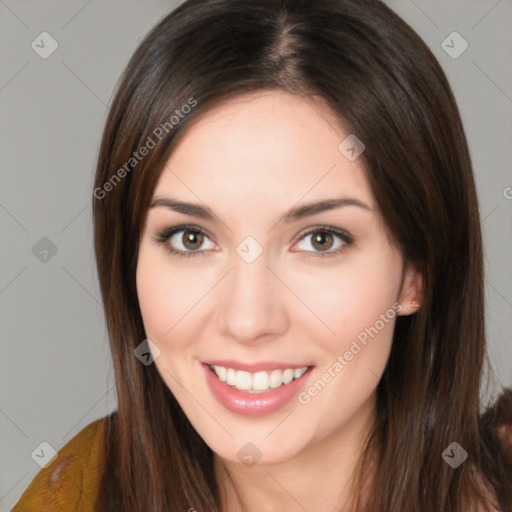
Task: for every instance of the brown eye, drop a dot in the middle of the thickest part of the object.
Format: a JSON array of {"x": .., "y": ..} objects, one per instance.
[
  {"x": 322, "y": 240},
  {"x": 185, "y": 241},
  {"x": 325, "y": 241},
  {"x": 192, "y": 239}
]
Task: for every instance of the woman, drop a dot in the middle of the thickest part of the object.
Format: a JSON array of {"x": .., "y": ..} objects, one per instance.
[{"x": 289, "y": 252}]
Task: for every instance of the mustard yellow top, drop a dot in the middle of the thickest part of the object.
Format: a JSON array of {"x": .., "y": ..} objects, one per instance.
[{"x": 70, "y": 483}]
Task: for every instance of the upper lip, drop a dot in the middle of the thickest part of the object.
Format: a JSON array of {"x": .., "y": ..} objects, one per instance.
[{"x": 254, "y": 367}]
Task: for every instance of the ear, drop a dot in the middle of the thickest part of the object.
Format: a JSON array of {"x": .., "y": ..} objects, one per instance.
[{"x": 411, "y": 294}]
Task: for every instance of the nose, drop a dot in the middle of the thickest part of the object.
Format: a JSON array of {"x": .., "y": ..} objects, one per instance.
[{"x": 252, "y": 302}]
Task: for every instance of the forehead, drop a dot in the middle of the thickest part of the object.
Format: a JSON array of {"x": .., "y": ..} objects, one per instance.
[{"x": 263, "y": 148}]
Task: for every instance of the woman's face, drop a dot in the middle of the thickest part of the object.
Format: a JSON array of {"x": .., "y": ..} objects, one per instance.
[{"x": 251, "y": 291}]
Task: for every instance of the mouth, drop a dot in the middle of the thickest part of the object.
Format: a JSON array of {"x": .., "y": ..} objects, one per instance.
[{"x": 255, "y": 393}]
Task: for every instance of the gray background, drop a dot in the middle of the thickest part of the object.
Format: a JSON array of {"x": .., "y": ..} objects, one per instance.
[{"x": 55, "y": 365}]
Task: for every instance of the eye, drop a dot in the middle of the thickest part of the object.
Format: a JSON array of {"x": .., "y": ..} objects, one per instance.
[
  {"x": 323, "y": 241},
  {"x": 184, "y": 241}
]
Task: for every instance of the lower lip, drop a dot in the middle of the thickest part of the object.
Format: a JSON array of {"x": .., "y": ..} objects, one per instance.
[{"x": 254, "y": 404}]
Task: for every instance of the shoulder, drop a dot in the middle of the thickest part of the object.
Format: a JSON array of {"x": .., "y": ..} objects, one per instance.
[
  {"x": 71, "y": 480},
  {"x": 496, "y": 431},
  {"x": 497, "y": 422}
]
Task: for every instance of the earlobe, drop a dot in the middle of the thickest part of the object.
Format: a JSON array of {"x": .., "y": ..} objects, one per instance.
[{"x": 409, "y": 308}]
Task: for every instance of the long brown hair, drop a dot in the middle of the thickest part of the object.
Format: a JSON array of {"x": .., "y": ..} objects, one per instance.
[{"x": 386, "y": 87}]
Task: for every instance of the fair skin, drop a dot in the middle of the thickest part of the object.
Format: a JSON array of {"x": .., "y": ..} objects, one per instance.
[{"x": 250, "y": 160}]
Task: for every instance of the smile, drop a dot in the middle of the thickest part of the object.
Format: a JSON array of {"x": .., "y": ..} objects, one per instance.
[{"x": 257, "y": 393}]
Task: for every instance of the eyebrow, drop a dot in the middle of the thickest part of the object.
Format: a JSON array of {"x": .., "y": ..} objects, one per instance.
[{"x": 292, "y": 215}]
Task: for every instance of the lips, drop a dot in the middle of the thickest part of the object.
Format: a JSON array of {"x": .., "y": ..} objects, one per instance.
[{"x": 254, "y": 405}]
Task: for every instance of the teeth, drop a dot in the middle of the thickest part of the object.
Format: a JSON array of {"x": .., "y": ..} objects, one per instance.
[
  {"x": 260, "y": 381},
  {"x": 299, "y": 372},
  {"x": 287, "y": 376},
  {"x": 230, "y": 375},
  {"x": 243, "y": 380},
  {"x": 222, "y": 373},
  {"x": 257, "y": 382},
  {"x": 276, "y": 378}
]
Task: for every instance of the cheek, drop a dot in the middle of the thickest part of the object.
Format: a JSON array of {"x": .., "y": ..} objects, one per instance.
[
  {"x": 355, "y": 302},
  {"x": 151, "y": 291},
  {"x": 353, "y": 299},
  {"x": 161, "y": 295},
  {"x": 170, "y": 298}
]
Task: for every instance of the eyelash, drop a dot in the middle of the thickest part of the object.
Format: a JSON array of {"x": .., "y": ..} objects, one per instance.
[{"x": 163, "y": 236}]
